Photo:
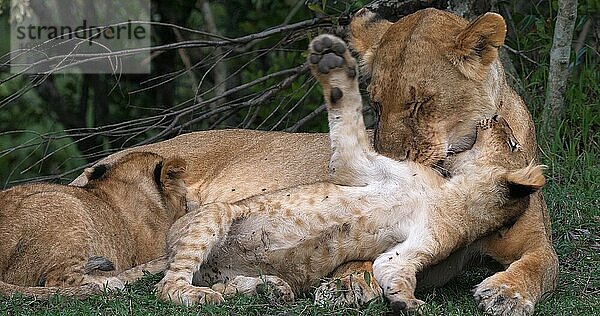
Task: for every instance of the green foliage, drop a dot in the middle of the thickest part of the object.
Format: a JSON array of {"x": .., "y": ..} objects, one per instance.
[
  {"x": 22, "y": 125},
  {"x": 573, "y": 153}
]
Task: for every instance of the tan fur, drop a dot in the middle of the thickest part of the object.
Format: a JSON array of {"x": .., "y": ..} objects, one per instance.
[
  {"x": 55, "y": 237},
  {"x": 446, "y": 70},
  {"x": 400, "y": 214},
  {"x": 419, "y": 51}
]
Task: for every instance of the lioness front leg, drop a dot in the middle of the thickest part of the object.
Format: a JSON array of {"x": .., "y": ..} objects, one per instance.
[
  {"x": 532, "y": 265},
  {"x": 190, "y": 242},
  {"x": 331, "y": 63}
]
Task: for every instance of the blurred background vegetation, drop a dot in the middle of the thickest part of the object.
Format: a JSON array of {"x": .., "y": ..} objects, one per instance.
[{"x": 52, "y": 126}]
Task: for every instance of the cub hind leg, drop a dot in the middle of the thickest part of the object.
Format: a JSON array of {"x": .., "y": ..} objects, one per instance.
[{"x": 190, "y": 242}]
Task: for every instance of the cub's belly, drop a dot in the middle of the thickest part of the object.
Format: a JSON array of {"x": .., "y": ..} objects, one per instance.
[{"x": 299, "y": 255}]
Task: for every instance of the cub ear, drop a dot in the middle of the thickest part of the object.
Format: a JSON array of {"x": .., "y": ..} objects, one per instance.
[
  {"x": 366, "y": 30},
  {"x": 172, "y": 185},
  {"x": 173, "y": 169},
  {"x": 524, "y": 182},
  {"x": 96, "y": 172},
  {"x": 476, "y": 47}
]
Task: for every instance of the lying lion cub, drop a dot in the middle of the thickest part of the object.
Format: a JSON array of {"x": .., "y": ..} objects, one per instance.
[
  {"x": 56, "y": 236},
  {"x": 402, "y": 215}
]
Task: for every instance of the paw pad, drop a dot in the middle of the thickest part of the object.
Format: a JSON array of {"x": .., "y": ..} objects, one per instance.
[
  {"x": 336, "y": 94},
  {"x": 327, "y": 53}
]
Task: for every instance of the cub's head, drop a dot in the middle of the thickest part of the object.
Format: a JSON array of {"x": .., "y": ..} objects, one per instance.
[
  {"x": 498, "y": 154},
  {"x": 433, "y": 77},
  {"x": 144, "y": 174},
  {"x": 495, "y": 146}
]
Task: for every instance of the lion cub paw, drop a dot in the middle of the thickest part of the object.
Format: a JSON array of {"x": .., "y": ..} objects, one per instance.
[
  {"x": 352, "y": 290},
  {"x": 500, "y": 298},
  {"x": 273, "y": 287},
  {"x": 331, "y": 63},
  {"x": 187, "y": 294},
  {"x": 114, "y": 283},
  {"x": 403, "y": 305},
  {"x": 497, "y": 127},
  {"x": 104, "y": 283}
]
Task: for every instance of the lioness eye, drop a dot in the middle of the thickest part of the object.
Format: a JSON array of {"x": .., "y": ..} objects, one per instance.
[
  {"x": 514, "y": 146},
  {"x": 415, "y": 106}
]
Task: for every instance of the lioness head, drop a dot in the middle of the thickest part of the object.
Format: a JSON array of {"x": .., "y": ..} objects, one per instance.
[
  {"x": 433, "y": 77},
  {"x": 159, "y": 178}
]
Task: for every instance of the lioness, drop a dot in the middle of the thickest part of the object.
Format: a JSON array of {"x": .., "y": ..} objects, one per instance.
[
  {"x": 58, "y": 238},
  {"x": 429, "y": 53},
  {"x": 403, "y": 215}
]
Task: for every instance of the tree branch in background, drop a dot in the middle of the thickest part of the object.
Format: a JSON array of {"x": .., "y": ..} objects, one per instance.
[
  {"x": 220, "y": 70},
  {"x": 254, "y": 79},
  {"x": 393, "y": 10},
  {"x": 304, "y": 120},
  {"x": 559, "y": 66},
  {"x": 185, "y": 59}
]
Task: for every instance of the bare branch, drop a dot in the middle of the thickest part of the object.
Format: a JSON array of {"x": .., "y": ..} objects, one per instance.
[
  {"x": 307, "y": 118},
  {"x": 220, "y": 73}
]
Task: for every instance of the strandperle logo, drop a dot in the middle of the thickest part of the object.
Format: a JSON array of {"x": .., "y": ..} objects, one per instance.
[
  {"x": 90, "y": 33},
  {"x": 84, "y": 36}
]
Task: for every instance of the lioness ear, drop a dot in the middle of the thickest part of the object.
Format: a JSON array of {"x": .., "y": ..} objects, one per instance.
[
  {"x": 476, "y": 47},
  {"x": 366, "y": 30},
  {"x": 526, "y": 181}
]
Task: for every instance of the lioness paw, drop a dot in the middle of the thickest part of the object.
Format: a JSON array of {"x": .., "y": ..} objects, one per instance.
[
  {"x": 187, "y": 294},
  {"x": 500, "y": 298}
]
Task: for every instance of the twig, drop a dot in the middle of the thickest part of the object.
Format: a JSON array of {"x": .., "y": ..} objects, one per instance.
[
  {"x": 520, "y": 53},
  {"x": 306, "y": 119}
]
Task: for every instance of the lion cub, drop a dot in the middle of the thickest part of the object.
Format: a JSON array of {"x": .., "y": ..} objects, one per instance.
[
  {"x": 62, "y": 236},
  {"x": 400, "y": 214}
]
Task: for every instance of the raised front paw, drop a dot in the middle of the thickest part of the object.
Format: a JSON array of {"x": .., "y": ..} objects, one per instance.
[
  {"x": 331, "y": 63},
  {"x": 500, "y": 296},
  {"x": 352, "y": 290},
  {"x": 186, "y": 294},
  {"x": 328, "y": 52}
]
